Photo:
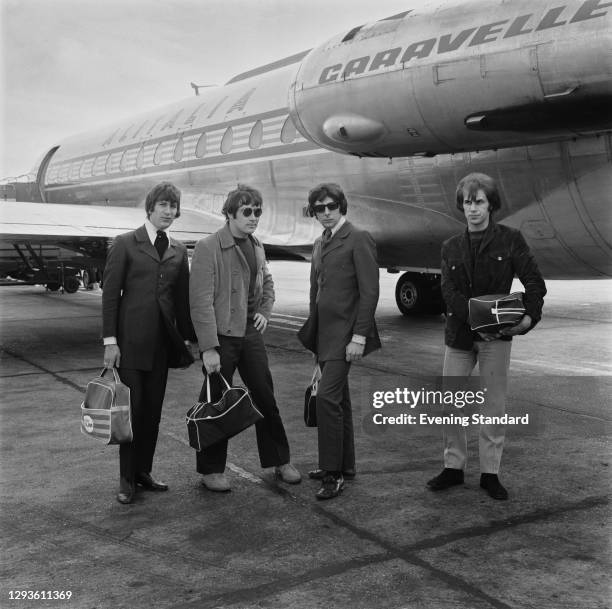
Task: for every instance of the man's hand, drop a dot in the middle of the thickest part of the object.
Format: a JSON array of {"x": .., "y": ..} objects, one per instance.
[
  {"x": 354, "y": 351},
  {"x": 260, "y": 322},
  {"x": 112, "y": 356},
  {"x": 488, "y": 337},
  {"x": 211, "y": 361},
  {"x": 521, "y": 327}
]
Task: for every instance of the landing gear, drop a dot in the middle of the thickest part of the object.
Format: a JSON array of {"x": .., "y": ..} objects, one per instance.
[
  {"x": 419, "y": 293},
  {"x": 71, "y": 284}
]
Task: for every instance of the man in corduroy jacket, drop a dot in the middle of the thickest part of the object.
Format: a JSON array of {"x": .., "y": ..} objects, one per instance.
[
  {"x": 231, "y": 298},
  {"x": 483, "y": 260}
]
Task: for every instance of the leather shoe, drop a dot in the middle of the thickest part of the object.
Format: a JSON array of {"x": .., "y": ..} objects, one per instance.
[
  {"x": 491, "y": 484},
  {"x": 147, "y": 481},
  {"x": 449, "y": 477},
  {"x": 330, "y": 487},
  {"x": 287, "y": 473},
  {"x": 216, "y": 482},
  {"x": 126, "y": 491},
  {"x": 319, "y": 474}
]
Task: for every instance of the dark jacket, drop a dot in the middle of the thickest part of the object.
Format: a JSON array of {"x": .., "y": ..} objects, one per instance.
[
  {"x": 503, "y": 254},
  {"x": 139, "y": 292},
  {"x": 343, "y": 294}
]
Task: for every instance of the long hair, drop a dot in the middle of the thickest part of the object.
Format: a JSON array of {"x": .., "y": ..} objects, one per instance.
[
  {"x": 472, "y": 183},
  {"x": 321, "y": 192}
]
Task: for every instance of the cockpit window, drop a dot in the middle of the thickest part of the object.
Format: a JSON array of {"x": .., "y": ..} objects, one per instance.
[{"x": 352, "y": 33}]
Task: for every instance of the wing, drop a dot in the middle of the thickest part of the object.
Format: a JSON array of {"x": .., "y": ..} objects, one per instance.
[{"x": 52, "y": 244}]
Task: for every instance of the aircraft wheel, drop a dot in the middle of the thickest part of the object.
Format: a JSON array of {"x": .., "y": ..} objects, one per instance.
[
  {"x": 53, "y": 286},
  {"x": 411, "y": 294},
  {"x": 71, "y": 284}
]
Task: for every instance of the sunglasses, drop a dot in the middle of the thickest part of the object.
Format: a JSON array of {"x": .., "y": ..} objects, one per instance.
[
  {"x": 319, "y": 209},
  {"x": 247, "y": 211}
]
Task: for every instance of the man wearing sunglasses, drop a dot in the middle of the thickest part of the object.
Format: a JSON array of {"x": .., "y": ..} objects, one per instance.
[
  {"x": 340, "y": 328},
  {"x": 231, "y": 295}
]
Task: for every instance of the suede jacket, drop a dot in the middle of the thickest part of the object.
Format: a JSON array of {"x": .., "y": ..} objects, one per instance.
[
  {"x": 503, "y": 254},
  {"x": 219, "y": 288}
]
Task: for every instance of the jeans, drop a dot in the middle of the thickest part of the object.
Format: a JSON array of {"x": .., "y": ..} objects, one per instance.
[{"x": 493, "y": 359}]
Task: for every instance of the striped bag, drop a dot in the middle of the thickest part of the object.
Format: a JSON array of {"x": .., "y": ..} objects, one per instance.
[{"x": 105, "y": 411}]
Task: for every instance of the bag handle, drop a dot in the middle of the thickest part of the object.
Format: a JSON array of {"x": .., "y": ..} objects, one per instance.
[
  {"x": 115, "y": 373},
  {"x": 316, "y": 374},
  {"x": 208, "y": 384}
]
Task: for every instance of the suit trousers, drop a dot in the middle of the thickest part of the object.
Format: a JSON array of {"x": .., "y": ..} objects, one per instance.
[
  {"x": 493, "y": 359},
  {"x": 335, "y": 417},
  {"x": 147, "y": 391},
  {"x": 248, "y": 355}
]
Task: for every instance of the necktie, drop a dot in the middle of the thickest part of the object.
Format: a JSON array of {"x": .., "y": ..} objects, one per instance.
[
  {"x": 327, "y": 235},
  {"x": 161, "y": 243}
]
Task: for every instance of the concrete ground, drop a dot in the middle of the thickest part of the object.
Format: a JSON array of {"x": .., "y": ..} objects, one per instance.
[{"x": 387, "y": 542}]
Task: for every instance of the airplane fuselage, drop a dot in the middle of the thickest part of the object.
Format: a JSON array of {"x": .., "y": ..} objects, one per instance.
[{"x": 397, "y": 112}]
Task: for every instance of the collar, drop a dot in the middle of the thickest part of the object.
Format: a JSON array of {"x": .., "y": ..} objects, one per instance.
[
  {"x": 338, "y": 226},
  {"x": 226, "y": 238},
  {"x": 152, "y": 231}
]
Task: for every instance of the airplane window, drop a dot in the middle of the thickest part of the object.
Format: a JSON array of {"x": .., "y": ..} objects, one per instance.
[
  {"x": 228, "y": 140},
  {"x": 75, "y": 171},
  {"x": 201, "y": 146},
  {"x": 288, "y": 132},
  {"x": 256, "y": 137},
  {"x": 99, "y": 165},
  {"x": 86, "y": 168},
  {"x": 178, "y": 150},
  {"x": 140, "y": 158},
  {"x": 157, "y": 157},
  {"x": 123, "y": 163},
  {"x": 352, "y": 33}
]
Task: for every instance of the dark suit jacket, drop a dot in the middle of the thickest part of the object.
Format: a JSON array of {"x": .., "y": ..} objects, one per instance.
[
  {"x": 137, "y": 288},
  {"x": 343, "y": 294},
  {"x": 502, "y": 255}
]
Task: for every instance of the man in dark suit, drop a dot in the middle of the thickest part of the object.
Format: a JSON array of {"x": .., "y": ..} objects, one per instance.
[
  {"x": 146, "y": 327},
  {"x": 340, "y": 328}
]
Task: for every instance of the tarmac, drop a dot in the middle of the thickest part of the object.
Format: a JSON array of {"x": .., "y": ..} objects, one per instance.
[{"x": 387, "y": 542}]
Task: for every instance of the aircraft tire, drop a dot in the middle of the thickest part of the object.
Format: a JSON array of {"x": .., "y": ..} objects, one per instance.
[
  {"x": 53, "y": 286},
  {"x": 411, "y": 294},
  {"x": 71, "y": 284}
]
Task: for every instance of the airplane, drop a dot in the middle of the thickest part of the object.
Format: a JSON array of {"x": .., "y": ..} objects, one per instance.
[{"x": 395, "y": 111}]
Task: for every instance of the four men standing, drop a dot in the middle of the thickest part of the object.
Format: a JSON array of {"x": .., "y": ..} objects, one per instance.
[{"x": 231, "y": 292}]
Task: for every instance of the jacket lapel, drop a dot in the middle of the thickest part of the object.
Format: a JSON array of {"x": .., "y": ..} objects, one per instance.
[
  {"x": 488, "y": 236},
  {"x": 144, "y": 245},
  {"x": 466, "y": 253},
  {"x": 337, "y": 240}
]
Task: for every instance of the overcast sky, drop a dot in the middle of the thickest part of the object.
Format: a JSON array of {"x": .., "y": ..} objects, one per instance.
[{"x": 72, "y": 65}]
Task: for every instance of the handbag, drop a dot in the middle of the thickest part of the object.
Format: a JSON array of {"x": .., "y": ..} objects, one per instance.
[
  {"x": 210, "y": 422},
  {"x": 106, "y": 411},
  {"x": 493, "y": 312},
  {"x": 310, "y": 399}
]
